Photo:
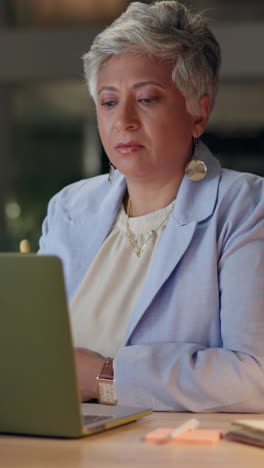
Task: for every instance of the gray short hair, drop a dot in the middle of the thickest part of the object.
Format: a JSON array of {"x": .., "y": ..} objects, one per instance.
[{"x": 170, "y": 31}]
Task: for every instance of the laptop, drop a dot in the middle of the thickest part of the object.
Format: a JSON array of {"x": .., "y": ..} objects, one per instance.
[{"x": 38, "y": 388}]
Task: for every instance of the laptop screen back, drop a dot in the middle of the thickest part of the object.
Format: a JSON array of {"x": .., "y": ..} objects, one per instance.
[{"x": 38, "y": 391}]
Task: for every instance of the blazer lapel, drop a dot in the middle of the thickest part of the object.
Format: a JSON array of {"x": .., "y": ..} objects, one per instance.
[
  {"x": 172, "y": 245},
  {"x": 194, "y": 203}
]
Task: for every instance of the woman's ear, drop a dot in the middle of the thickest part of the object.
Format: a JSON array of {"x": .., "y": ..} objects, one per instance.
[{"x": 200, "y": 122}]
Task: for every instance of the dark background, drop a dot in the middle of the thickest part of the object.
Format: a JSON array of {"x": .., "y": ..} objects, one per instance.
[{"x": 48, "y": 131}]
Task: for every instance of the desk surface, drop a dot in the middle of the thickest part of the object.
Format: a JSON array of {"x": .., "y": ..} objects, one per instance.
[{"x": 124, "y": 447}]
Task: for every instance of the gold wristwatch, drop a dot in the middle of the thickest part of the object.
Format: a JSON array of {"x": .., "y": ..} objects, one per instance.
[{"x": 106, "y": 384}]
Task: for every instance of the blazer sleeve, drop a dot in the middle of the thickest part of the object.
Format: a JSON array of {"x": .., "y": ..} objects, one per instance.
[{"x": 190, "y": 377}]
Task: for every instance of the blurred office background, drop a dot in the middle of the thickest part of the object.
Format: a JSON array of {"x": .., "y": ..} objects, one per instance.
[{"x": 48, "y": 133}]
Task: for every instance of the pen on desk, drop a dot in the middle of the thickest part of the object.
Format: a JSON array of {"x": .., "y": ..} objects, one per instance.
[
  {"x": 174, "y": 433},
  {"x": 188, "y": 425}
]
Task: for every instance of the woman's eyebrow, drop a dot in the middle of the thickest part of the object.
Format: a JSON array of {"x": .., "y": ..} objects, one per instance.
[
  {"x": 145, "y": 83},
  {"x": 136, "y": 85},
  {"x": 107, "y": 88}
]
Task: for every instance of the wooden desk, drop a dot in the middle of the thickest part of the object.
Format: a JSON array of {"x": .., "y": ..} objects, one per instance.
[{"x": 124, "y": 447}]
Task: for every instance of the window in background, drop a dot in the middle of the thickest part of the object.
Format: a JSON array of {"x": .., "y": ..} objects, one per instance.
[
  {"x": 54, "y": 143},
  {"x": 236, "y": 128}
]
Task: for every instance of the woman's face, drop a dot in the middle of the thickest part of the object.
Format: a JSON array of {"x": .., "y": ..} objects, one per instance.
[{"x": 142, "y": 118}]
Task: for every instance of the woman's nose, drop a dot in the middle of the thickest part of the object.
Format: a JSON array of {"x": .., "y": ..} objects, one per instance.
[{"x": 127, "y": 119}]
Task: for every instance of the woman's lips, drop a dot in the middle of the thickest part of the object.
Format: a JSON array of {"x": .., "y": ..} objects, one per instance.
[{"x": 130, "y": 147}]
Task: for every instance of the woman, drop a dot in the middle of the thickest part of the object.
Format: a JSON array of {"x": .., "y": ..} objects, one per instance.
[{"x": 164, "y": 263}]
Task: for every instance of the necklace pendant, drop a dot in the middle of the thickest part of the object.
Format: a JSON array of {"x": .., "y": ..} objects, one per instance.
[{"x": 138, "y": 252}]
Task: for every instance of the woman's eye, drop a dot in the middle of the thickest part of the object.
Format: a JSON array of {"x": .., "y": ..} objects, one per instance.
[
  {"x": 108, "y": 103},
  {"x": 148, "y": 100}
]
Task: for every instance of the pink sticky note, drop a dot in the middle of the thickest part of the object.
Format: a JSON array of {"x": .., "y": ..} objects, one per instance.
[
  {"x": 158, "y": 435},
  {"x": 198, "y": 436}
]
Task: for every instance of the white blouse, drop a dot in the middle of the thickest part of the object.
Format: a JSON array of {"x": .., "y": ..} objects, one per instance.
[{"x": 102, "y": 305}]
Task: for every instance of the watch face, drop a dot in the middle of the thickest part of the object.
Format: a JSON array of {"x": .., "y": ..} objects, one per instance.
[{"x": 106, "y": 391}]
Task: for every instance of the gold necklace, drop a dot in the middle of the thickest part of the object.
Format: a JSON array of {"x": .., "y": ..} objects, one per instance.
[{"x": 130, "y": 235}]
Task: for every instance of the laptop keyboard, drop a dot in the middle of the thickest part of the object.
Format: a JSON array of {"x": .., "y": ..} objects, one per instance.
[{"x": 90, "y": 419}]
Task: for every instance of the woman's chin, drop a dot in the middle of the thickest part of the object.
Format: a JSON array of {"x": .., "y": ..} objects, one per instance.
[
  {"x": 133, "y": 172},
  {"x": 130, "y": 168}
]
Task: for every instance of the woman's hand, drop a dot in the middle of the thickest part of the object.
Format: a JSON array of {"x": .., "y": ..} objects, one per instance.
[{"x": 88, "y": 365}]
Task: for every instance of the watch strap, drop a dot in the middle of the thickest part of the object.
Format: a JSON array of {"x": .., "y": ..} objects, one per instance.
[{"x": 107, "y": 371}]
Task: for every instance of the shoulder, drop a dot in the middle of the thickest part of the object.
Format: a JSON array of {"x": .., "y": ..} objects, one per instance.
[
  {"x": 238, "y": 187},
  {"x": 240, "y": 205},
  {"x": 84, "y": 195},
  {"x": 74, "y": 196},
  {"x": 240, "y": 180}
]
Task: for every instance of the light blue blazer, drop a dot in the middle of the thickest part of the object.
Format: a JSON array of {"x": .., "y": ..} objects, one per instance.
[{"x": 195, "y": 339}]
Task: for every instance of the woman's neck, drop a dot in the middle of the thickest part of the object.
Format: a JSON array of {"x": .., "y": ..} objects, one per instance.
[{"x": 146, "y": 198}]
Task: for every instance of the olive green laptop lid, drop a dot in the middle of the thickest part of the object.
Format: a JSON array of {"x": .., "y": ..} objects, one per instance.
[
  {"x": 38, "y": 386},
  {"x": 38, "y": 392}
]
